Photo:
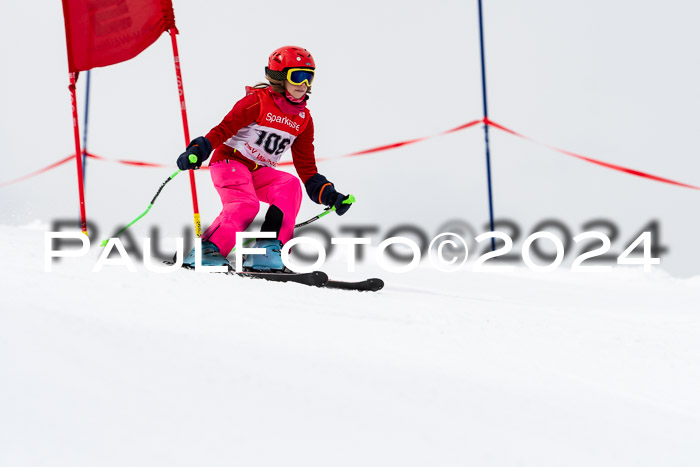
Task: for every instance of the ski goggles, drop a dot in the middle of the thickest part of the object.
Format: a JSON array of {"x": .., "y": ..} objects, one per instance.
[{"x": 297, "y": 76}]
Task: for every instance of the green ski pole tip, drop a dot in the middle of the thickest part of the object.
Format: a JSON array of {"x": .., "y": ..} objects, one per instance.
[
  {"x": 193, "y": 158},
  {"x": 104, "y": 243}
]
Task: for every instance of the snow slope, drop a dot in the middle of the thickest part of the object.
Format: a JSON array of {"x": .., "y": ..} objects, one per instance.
[{"x": 438, "y": 369}]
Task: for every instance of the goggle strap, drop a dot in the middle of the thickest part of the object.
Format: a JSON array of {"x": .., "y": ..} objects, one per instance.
[{"x": 276, "y": 75}]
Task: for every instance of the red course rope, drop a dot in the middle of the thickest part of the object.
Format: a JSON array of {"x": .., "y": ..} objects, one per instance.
[
  {"x": 594, "y": 161},
  {"x": 45, "y": 169},
  {"x": 399, "y": 144}
]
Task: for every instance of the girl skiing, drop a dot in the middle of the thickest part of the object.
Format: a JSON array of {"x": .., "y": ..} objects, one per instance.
[{"x": 248, "y": 145}]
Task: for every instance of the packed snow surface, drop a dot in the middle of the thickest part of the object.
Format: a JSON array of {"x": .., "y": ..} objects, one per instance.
[{"x": 438, "y": 369}]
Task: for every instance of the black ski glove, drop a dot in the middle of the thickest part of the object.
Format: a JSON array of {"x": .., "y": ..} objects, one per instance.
[
  {"x": 321, "y": 191},
  {"x": 340, "y": 207},
  {"x": 201, "y": 148}
]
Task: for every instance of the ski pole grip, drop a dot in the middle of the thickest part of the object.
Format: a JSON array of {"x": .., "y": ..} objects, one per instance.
[
  {"x": 349, "y": 200},
  {"x": 193, "y": 158}
]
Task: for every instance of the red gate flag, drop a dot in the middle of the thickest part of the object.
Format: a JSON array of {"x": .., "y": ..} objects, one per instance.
[{"x": 104, "y": 32}]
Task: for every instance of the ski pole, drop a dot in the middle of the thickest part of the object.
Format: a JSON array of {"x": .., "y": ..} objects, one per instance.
[
  {"x": 193, "y": 159},
  {"x": 351, "y": 199}
]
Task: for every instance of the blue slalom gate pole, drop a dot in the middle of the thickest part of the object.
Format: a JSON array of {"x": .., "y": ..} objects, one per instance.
[
  {"x": 486, "y": 126},
  {"x": 85, "y": 125}
]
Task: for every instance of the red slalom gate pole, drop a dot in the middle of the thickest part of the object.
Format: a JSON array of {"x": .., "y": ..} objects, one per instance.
[
  {"x": 183, "y": 107},
  {"x": 78, "y": 153}
]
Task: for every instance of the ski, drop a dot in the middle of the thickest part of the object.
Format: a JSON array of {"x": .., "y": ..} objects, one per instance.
[
  {"x": 314, "y": 278},
  {"x": 368, "y": 285}
]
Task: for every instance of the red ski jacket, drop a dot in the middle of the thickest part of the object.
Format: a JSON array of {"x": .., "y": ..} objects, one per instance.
[{"x": 257, "y": 133}]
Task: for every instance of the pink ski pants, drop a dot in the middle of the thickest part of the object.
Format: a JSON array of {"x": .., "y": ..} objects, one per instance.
[{"x": 241, "y": 192}]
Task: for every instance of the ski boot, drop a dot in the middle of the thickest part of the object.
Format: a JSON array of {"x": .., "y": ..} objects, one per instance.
[
  {"x": 210, "y": 256},
  {"x": 270, "y": 261}
]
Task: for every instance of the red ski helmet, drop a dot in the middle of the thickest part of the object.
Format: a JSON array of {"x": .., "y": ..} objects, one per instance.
[{"x": 288, "y": 57}]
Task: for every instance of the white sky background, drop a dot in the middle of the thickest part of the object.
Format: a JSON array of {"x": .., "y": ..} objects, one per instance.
[{"x": 613, "y": 80}]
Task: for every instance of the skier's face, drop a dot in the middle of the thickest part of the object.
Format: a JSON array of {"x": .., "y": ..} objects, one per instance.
[{"x": 297, "y": 91}]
